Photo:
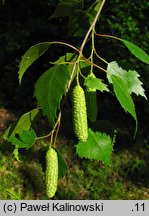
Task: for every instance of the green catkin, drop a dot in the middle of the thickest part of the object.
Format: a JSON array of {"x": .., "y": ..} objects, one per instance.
[
  {"x": 51, "y": 172},
  {"x": 91, "y": 102},
  {"x": 79, "y": 113}
]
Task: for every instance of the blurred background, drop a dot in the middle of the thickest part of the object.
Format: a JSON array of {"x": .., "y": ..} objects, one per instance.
[{"x": 25, "y": 23}]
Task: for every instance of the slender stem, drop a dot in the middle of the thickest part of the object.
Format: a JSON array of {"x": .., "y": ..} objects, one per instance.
[
  {"x": 92, "y": 26},
  {"x": 64, "y": 63},
  {"x": 58, "y": 126},
  {"x": 78, "y": 72},
  {"x": 51, "y": 139},
  {"x": 109, "y": 36},
  {"x": 71, "y": 77},
  {"x": 82, "y": 75},
  {"x": 92, "y": 52},
  {"x": 45, "y": 136},
  {"x": 97, "y": 66},
  {"x": 52, "y": 132},
  {"x": 66, "y": 44},
  {"x": 100, "y": 57}
]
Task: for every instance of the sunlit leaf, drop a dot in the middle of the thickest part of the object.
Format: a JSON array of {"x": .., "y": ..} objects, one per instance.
[
  {"x": 24, "y": 139},
  {"x": 24, "y": 123},
  {"x": 99, "y": 146},
  {"x": 50, "y": 88},
  {"x": 130, "y": 78},
  {"x": 137, "y": 51},
  {"x": 134, "y": 84},
  {"x": 95, "y": 83},
  {"x": 123, "y": 96},
  {"x": 31, "y": 56},
  {"x": 114, "y": 69}
]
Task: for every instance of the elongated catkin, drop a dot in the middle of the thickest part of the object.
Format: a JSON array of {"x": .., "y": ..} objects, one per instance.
[
  {"x": 79, "y": 113},
  {"x": 91, "y": 102},
  {"x": 51, "y": 172}
]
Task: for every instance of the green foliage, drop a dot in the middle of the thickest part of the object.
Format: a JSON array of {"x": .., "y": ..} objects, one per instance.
[
  {"x": 95, "y": 83},
  {"x": 123, "y": 95},
  {"x": 78, "y": 16},
  {"x": 56, "y": 82},
  {"x": 134, "y": 85},
  {"x": 137, "y": 51},
  {"x": 24, "y": 139},
  {"x": 22, "y": 135},
  {"x": 29, "y": 26},
  {"x": 25, "y": 121},
  {"x": 67, "y": 59},
  {"x": 91, "y": 12},
  {"x": 50, "y": 88},
  {"x": 62, "y": 165},
  {"x": 31, "y": 56},
  {"x": 98, "y": 147}
]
